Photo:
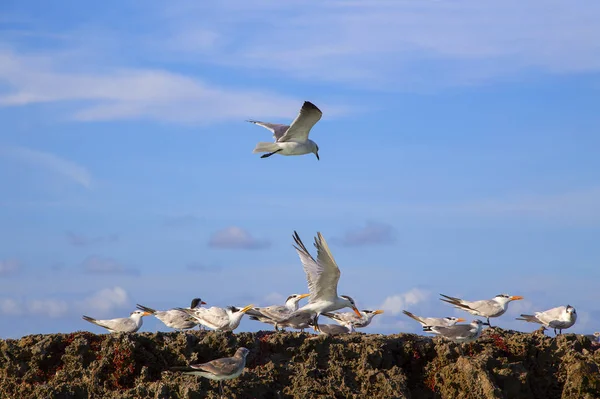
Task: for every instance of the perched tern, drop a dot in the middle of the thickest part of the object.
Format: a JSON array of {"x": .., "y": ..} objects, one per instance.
[
  {"x": 322, "y": 275},
  {"x": 335, "y": 329},
  {"x": 292, "y": 139},
  {"x": 559, "y": 318},
  {"x": 226, "y": 368},
  {"x": 434, "y": 321},
  {"x": 487, "y": 308},
  {"x": 460, "y": 333},
  {"x": 220, "y": 319},
  {"x": 122, "y": 324},
  {"x": 595, "y": 338},
  {"x": 345, "y": 318},
  {"x": 276, "y": 313},
  {"x": 175, "y": 318}
]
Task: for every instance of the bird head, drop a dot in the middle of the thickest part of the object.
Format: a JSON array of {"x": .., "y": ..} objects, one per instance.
[
  {"x": 349, "y": 302},
  {"x": 505, "y": 298},
  {"x": 295, "y": 298},
  {"x": 139, "y": 313},
  {"x": 454, "y": 320},
  {"x": 243, "y": 352},
  {"x": 571, "y": 310},
  {"x": 196, "y": 302}
]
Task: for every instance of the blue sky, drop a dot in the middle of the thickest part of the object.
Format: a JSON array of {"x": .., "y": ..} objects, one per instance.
[{"x": 459, "y": 155}]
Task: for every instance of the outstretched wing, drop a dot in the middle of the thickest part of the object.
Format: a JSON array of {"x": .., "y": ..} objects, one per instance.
[
  {"x": 322, "y": 274},
  {"x": 300, "y": 128},
  {"x": 277, "y": 129}
]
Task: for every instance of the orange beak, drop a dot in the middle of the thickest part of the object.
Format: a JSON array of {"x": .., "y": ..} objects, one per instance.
[
  {"x": 357, "y": 312},
  {"x": 202, "y": 303},
  {"x": 516, "y": 297},
  {"x": 460, "y": 319}
]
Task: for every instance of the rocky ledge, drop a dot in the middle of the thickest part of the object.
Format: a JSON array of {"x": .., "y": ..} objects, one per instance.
[{"x": 501, "y": 364}]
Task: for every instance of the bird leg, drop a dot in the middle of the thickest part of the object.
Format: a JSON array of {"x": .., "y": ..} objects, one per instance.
[
  {"x": 270, "y": 153},
  {"x": 316, "y": 322},
  {"x": 221, "y": 388}
]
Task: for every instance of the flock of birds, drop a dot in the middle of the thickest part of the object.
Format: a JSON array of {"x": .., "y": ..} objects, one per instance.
[{"x": 322, "y": 275}]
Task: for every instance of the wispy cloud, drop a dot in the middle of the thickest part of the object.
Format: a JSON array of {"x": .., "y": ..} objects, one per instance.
[
  {"x": 373, "y": 233},
  {"x": 236, "y": 238},
  {"x": 395, "y": 45},
  {"x": 49, "y": 162},
  {"x": 40, "y": 307},
  {"x": 101, "y": 265},
  {"x": 9, "y": 267},
  {"x": 81, "y": 240},
  {"x": 132, "y": 93},
  {"x": 105, "y": 301},
  {"x": 395, "y": 304}
]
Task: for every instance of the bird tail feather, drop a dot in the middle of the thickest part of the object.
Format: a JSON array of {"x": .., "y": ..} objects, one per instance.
[
  {"x": 530, "y": 318},
  {"x": 265, "y": 147}
]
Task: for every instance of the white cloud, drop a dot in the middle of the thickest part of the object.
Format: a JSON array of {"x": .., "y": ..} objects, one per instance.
[
  {"x": 48, "y": 307},
  {"x": 9, "y": 266},
  {"x": 117, "y": 93},
  {"x": 105, "y": 301},
  {"x": 236, "y": 238},
  {"x": 49, "y": 162},
  {"x": 10, "y": 307},
  {"x": 395, "y": 304},
  {"x": 401, "y": 44}
]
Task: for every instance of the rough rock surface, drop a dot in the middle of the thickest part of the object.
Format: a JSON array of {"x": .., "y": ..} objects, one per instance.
[{"x": 502, "y": 364}]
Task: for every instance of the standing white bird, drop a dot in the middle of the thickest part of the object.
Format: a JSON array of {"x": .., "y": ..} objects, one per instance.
[
  {"x": 487, "y": 308},
  {"x": 175, "y": 318},
  {"x": 345, "y": 318},
  {"x": 292, "y": 139},
  {"x": 220, "y": 319},
  {"x": 323, "y": 276},
  {"x": 122, "y": 324},
  {"x": 434, "y": 321},
  {"x": 460, "y": 333},
  {"x": 226, "y": 368},
  {"x": 276, "y": 313},
  {"x": 558, "y": 318}
]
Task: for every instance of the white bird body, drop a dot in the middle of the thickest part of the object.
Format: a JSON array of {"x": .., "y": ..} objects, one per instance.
[
  {"x": 175, "y": 318},
  {"x": 460, "y": 333},
  {"x": 335, "y": 329},
  {"x": 220, "y": 319},
  {"x": 558, "y": 318},
  {"x": 292, "y": 139},
  {"x": 487, "y": 308},
  {"x": 434, "y": 321},
  {"x": 322, "y": 276},
  {"x": 123, "y": 324},
  {"x": 350, "y": 318},
  {"x": 276, "y": 314}
]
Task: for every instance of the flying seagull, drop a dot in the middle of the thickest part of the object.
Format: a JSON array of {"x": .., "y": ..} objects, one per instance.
[
  {"x": 122, "y": 324},
  {"x": 175, "y": 318},
  {"x": 220, "y": 319},
  {"x": 434, "y": 321},
  {"x": 487, "y": 308},
  {"x": 345, "y": 318},
  {"x": 226, "y": 368},
  {"x": 558, "y": 318},
  {"x": 292, "y": 139},
  {"x": 323, "y": 276},
  {"x": 276, "y": 313}
]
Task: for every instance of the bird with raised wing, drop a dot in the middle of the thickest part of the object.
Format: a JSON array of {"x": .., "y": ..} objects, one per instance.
[
  {"x": 345, "y": 318},
  {"x": 487, "y": 308},
  {"x": 123, "y": 324},
  {"x": 323, "y": 276},
  {"x": 434, "y": 321},
  {"x": 292, "y": 139},
  {"x": 558, "y": 318},
  {"x": 226, "y": 368},
  {"x": 220, "y": 319},
  {"x": 175, "y": 318},
  {"x": 460, "y": 333},
  {"x": 276, "y": 313}
]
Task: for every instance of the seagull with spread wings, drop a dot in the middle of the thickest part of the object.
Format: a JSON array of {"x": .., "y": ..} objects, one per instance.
[
  {"x": 323, "y": 276},
  {"x": 292, "y": 139}
]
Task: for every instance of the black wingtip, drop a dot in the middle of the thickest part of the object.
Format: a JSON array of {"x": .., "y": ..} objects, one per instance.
[{"x": 308, "y": 104}]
